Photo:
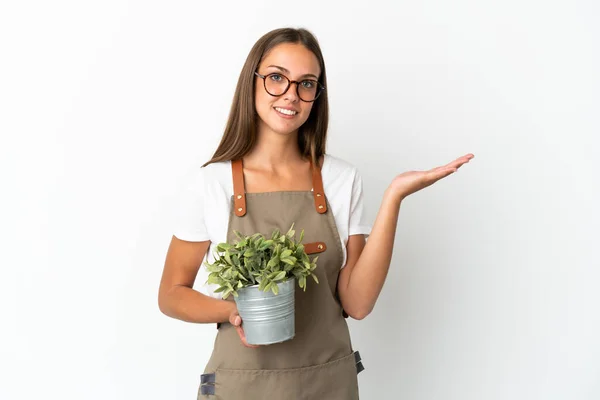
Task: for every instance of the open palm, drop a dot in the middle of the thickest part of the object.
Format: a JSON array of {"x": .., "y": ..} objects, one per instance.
[{"x": 410, "y": 182}]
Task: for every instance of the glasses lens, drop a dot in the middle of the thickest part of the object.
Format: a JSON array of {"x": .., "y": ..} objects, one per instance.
[
  {"x": 276, "y": 84},
  {"x": 308, "y": 90}
]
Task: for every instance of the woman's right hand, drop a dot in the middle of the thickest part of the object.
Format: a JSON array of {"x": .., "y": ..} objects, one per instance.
[{"x": 236, "y": 321}]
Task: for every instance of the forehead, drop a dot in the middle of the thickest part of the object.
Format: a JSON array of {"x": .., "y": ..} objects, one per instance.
[{"x": 294, "y": 57}]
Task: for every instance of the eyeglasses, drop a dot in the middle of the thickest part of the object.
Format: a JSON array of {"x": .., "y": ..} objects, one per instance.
[{"x": 276, "y": 85}]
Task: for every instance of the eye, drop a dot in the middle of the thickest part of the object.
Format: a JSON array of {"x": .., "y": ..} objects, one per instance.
[
  {"x": 308, "y": 84},
  {"x": 276, "y": 77}
]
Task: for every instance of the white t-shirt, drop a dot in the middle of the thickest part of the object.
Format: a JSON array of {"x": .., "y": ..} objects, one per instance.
[{"x": 204, "y": 207}]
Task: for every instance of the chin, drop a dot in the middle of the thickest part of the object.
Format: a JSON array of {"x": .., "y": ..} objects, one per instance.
[{"x": 284, "y": 129}]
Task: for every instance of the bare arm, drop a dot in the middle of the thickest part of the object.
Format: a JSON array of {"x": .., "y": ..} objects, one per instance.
[
  {"x": 176, "y": 298},
  {"x": 361, "y": 280}
]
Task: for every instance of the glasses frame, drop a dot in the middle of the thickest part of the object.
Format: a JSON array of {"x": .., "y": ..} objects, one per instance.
[{"x": 321, "y": 88}]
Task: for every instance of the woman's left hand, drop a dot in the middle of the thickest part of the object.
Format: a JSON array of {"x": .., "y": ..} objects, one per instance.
[{"x": 410, "y": 182}]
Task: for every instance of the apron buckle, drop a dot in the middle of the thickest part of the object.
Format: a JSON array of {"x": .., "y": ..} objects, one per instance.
[{"x": 207, "y": 384}]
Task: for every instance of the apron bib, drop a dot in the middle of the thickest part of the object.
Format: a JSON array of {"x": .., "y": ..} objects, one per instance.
[{"x": 318, "y": 363}]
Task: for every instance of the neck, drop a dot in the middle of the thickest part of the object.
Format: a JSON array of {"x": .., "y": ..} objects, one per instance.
[{"x": 273, "y": 150}]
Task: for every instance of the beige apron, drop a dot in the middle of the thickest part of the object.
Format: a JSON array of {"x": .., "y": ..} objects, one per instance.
[{"x": 319, "y": 362}]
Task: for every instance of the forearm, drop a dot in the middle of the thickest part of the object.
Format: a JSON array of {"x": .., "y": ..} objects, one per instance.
[
  {"x": 368, "y": 274},
  {"x": 187, "y": 304}
]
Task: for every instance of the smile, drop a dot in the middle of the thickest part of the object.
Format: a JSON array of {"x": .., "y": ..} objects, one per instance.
[{"x": 286, "y": 112}]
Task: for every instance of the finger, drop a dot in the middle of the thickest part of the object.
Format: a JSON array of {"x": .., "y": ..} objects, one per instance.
[
  {"x": 442, "y": 173},
  {"x": 442, "y": 169},
  {"x": 461, "y": 160},
  {"x": 251, "y": 346},
  {"x": 235, "y": 320},
  {"x": 243, "y": 339}
]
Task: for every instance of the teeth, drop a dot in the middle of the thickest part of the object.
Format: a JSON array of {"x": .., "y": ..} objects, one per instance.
[{"x": 286, "y": 112}]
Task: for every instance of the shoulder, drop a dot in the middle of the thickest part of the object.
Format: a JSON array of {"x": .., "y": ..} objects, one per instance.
[
  {"x": 208, "y": 181},
  {"x": 339, "y": 177},
  {"x": 216, "y": 175},
  {"x": 337, "y": 164},
  {"x": 338, "y": 169}
]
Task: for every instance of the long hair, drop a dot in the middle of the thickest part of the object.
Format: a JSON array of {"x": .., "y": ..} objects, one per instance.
[{"x": 241, "y": 129}]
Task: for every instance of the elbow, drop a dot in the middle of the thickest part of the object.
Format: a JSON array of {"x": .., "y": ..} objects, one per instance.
[
  {"x": 359, "y": 314},
  {"x": 163, "y": 303}
]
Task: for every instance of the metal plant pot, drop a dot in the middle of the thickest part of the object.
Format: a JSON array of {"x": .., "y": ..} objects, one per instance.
[{"x": 267, "y": 318}]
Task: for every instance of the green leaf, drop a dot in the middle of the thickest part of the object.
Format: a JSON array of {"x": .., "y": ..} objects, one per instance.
[
  {"x": 256, "y": 236},
  {"x": 290, "y": 260},
  {"x": 214, "y": 279},
  {"x": 286, "y": 253},
  {"x": 221, "y": 247},
  {"x": 275, "y": 289},
  {"x": 263, "y": 284},
  {"x": 268, "y": 286},
  {"x": 273, "y": 262},
  {"x": 291, "y": 232},
  {"x": 315, "y": 278},
  {"x": 302, "y": 282},
  {"x": 280, "y": 276}
]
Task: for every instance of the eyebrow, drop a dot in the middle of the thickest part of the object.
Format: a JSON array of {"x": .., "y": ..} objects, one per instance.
[{"x": 287, "y": 71}]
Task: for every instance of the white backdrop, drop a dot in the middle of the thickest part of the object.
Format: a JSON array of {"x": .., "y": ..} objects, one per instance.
[{"x": 105, "y": 107}]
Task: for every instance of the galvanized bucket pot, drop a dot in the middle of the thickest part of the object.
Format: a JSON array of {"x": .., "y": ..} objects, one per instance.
[{"x": 267, "y": 318}]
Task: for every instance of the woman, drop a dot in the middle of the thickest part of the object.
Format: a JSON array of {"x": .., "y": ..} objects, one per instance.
[{"x": 269, "y": 171}]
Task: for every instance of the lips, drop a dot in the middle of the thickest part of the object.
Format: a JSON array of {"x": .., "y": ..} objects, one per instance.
[{"x": 286, "y": 111}]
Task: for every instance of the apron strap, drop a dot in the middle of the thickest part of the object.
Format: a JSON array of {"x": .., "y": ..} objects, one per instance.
[
  {"x": 315, "y": 247},
  {"x": 318, "y": 191},
  {"x": 239, "y": 190}
]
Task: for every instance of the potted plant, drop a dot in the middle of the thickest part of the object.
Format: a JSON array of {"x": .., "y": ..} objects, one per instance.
[{"x": 261, "y": 273}]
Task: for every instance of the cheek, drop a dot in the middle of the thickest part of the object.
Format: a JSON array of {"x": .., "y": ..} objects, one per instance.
[
  {"x": 306, "y": 111},
  {"x": 263, "y": 101}
]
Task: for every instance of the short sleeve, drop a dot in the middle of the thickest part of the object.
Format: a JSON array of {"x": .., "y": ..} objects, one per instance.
[
  {"x": 358, "y": 218},
  {"x": 189, "y": 223}
]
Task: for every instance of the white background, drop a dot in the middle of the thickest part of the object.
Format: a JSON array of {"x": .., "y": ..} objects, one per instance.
[{"x": 105, "y": 107}]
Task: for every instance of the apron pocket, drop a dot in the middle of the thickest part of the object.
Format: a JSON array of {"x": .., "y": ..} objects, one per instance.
[{"x": 334, "y": 380}]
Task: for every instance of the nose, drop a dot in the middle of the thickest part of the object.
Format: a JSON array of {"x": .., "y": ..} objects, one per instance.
[{"x": 292, "y": 92}]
